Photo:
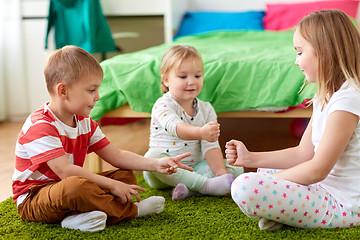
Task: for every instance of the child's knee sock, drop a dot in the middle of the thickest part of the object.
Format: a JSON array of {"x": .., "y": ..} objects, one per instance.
[
  {"x": 154, "y": 204},
  {"x": 181, "y": 192},
  {"x": 217, "y": 186},
  {"x": 87, "y": 222}
]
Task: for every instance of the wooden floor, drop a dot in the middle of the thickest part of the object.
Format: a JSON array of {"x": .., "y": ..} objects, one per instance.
[{"x": 257, "y": 134}]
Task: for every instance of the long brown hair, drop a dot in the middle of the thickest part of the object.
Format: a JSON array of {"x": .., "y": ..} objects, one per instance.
[{"x": 336, "y": 42}]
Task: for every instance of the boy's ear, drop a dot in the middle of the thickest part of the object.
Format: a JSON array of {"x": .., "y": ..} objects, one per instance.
[{"x": 61, "y": 90}]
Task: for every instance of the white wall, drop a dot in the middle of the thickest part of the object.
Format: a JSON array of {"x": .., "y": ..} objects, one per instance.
[
  {"x": 226, "y": 5},
  {"x": 240, "y": 5},
  {"x": 234, "y": 5},
  {"x": 14, "y": 88}
]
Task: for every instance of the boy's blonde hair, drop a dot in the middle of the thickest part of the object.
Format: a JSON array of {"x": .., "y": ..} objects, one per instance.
[
  {"x": 174, "y": 57},
  {"x": 336, "y": 42},
  {"x": 67, "y": 65}
]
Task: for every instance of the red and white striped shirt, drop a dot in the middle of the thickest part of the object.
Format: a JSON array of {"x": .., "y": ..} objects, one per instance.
[{"x": 44, "y": 137}]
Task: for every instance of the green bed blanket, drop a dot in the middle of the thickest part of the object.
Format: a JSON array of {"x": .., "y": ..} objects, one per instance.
[{"x": 243, "y": 70}]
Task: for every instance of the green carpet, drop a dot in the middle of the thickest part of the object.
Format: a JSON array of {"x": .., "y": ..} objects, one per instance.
[{"x": 193, "y": 218}]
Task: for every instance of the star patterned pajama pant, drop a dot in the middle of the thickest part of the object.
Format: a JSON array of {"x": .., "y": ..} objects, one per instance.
[{"x": 262, "y": 195}]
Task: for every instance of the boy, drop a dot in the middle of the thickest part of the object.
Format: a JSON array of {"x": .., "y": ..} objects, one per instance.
[{"x": 49, "y": 183}]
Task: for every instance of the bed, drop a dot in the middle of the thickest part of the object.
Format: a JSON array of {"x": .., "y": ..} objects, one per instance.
[
  {"x": 243, "y": 71},
  {"x": 249, "y": 72}
]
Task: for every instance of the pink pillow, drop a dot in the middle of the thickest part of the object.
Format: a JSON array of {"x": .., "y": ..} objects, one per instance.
[{"x": 284, "y": 16}]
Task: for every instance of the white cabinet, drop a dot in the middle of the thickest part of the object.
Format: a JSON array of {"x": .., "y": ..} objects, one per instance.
[{"x": 171, "y": 10}]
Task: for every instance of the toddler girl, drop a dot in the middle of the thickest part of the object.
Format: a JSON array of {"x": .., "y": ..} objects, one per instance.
[{"x": 180, "y": 122}]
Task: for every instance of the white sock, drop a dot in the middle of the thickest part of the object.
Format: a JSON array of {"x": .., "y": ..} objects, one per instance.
[
  {"x": 87, "y": 222},
  {"x": 270, "y": 225},
  {"x": 154, "y": 204},
  {"x": 217, "y": 186},
  {"x": 181, "y": 192}
]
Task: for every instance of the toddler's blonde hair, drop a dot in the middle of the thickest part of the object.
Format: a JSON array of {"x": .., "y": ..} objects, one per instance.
[{"x": 174, "y": 57}]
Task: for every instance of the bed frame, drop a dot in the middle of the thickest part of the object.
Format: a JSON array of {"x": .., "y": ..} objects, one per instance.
[
  {"x": 126, "y": 112},
  {"x": 95, "y": 163}
]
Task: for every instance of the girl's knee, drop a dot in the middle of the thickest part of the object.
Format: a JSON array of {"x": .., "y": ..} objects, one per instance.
[
  {"x": 244, "y": 186},
  {"x": 154, "y": 181}
]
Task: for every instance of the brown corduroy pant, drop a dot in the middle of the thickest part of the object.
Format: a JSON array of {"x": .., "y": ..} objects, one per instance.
[{"x": 52, "y": 202}]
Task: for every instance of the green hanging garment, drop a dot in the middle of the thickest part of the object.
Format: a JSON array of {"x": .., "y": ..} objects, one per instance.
[{"x": 80, "y": 23}]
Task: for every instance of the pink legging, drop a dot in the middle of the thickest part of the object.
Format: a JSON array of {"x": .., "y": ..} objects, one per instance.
[{"x": 262, "y": 195}]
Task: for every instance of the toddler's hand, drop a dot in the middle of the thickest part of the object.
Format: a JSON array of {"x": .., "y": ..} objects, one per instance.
[
  {"x": 236, "y": 153},
  {"x": 169, "y": 165},
  {"x": 210, "y": 131}
]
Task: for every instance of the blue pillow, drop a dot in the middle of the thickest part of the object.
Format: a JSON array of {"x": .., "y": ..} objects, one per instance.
[{"x": 200, "y": 22}]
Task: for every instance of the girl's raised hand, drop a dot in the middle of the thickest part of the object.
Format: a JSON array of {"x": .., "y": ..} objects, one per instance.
[
  {"x": 169, "y": 165},
  {"x": 236, "y": 153}
]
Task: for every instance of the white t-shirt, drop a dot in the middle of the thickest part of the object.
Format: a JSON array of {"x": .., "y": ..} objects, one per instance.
[
  {"x": 343, "y": 181},
  {"x": 166, "y": 115}
]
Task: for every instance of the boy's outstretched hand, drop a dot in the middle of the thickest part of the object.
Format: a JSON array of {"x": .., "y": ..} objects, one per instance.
[
  {"x": 169, "y": 165},
  {"x": 125, "y": 191}
]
